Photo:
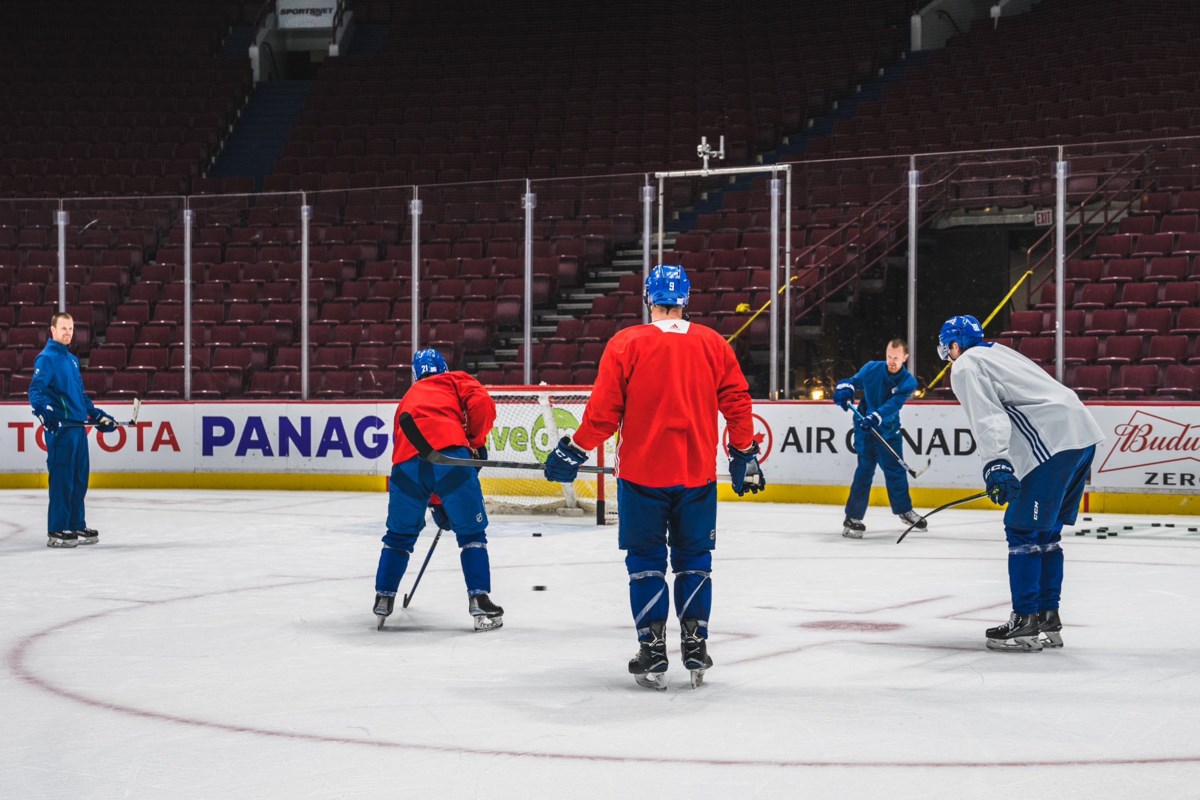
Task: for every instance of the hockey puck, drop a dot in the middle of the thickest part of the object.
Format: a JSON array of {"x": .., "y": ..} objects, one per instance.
[
  {"x": 1101, "y": 536},
  {"x": 535, "y": 533},
  {"x": 1112, "y": 533},
  {"x": 1155, "y": 524},
  {"x": 1087, "y": 519},
  {"x": 1170, "y": 524},
  {"x": 539, "y": 588},
  {"x": 1083, "y": 531},
  {"x": 1128, "y": 527},
  {"x": 1193, "y": 530}
]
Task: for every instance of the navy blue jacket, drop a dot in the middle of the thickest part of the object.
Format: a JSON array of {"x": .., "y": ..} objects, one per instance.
[
  {"x": 883, "y": 393},
  {"x": 58, "y": 383}
]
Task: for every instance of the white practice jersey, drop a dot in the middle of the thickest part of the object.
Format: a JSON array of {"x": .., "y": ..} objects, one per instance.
[{"x": 1016, "y": 410}]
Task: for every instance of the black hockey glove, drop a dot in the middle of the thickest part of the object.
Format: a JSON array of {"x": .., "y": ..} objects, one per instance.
[
  {"x": 563, "y": 464},
  {"x": 49, "y": 417},
  {"x": 440, "y": 517},
  {"x": 103, "y": 422},
  {"x": 1003, "y": 485},
  {"x": 479, "y": 453},
  {"x": 744, "y": 472}
]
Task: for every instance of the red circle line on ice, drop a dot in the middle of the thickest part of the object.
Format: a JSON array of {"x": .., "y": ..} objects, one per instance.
[{"x": 19, "y": 655}]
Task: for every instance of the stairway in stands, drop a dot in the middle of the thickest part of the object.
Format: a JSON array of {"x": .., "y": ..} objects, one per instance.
[{"x": 261, "y": 131}]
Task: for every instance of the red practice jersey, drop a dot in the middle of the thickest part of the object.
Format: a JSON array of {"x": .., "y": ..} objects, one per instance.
[
  {"x": 451, "y": 409},
  {"x": 661, "y": 385}
]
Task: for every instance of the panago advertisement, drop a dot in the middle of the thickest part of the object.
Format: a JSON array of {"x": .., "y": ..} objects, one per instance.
[{"x": 807, "y": 447}]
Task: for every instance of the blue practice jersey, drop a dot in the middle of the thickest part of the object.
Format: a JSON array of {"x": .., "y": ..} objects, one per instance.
[
  {"x": 882, "y": 392},
  {"x": 57, "y": 383}
]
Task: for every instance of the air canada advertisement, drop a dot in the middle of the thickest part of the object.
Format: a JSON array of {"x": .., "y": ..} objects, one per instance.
[{"x": 1148, "y": 448}]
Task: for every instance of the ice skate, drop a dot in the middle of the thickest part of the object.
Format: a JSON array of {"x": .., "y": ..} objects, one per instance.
[
  {"x": 694, "y": 650},
  {"x": 487, "y": 615},
  {"x": 383, "y": 608},
  {"x": 88, "y": 536},
  {"x": 1050, "y": 628},
  {"x": 1019, "y": 634},
  {"x": 649, "y": 666},
  {"x": 62, "y": 539},
  {"x": 916, "y": 520},
  {"x": 853, "y": 528}
]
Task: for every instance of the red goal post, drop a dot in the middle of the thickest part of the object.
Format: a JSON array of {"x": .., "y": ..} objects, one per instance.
[{"x": 529, "y": 422}]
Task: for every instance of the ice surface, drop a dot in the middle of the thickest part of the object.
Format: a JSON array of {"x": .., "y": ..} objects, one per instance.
[{"x": 222, "y": 645}]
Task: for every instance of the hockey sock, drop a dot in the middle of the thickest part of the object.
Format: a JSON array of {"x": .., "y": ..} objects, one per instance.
[
  {"x": 393, "y": 560},
  {"x": 648, "y": 597},
  {"x": 476, "y": 567},
  {"x": 1024, "y": 569},
  {"x": 1052, "y": 568},
  {"x": 693, "y": 587}
]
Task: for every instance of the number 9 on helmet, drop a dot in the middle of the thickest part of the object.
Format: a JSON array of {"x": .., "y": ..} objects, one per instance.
[{"x": 667, "y": 285}]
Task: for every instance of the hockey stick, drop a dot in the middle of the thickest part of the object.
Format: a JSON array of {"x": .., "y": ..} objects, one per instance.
[
  {"x": 408, "y": 597},
  {"x": 914, "y": 473},
  {"x": 951, "y": 504},
  {"x": 137, "y": 407},
  {"x": 425, "y": 450}
]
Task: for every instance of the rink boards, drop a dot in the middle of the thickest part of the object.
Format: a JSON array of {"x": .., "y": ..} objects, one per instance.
[{"x": 1149, "y": 461}]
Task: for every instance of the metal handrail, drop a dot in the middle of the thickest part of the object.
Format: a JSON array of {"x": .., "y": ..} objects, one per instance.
[{"x": 338, "y": 14}]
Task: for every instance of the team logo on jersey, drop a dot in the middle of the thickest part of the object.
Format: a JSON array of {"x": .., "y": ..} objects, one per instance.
[{"x": 1149, "y": 440}]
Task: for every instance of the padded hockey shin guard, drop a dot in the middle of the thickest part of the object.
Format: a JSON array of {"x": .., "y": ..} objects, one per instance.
[
  {"x": 393, "y": 561},
  {"x": 476, "y": 568},
  {"x": 693, "y": 587},
  {"x": 648, "y": 597},
  {"x": 1024, "y": 569},
  {"x": 1052, "y": 568}
]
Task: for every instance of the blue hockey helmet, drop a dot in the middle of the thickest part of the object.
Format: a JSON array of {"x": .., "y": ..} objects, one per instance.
[
  {"x": 428, "y": 362},
  {"x": 965, "y": 331},
  {"x": 667, "y": 285}
]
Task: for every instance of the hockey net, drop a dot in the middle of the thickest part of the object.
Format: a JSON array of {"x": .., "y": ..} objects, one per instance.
[{"x": 529, "y": 422}]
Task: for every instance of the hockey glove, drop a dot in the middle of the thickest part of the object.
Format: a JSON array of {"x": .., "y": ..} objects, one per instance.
[
  {"x": 103, "y": 422},
  {"x": 440, "y": 517},
  {"x": 49, "y": 417},
  {"x": 563, "y": 464},
  {"x": 744, "y": 472},
  {"x": 843, "y": 395},
  {"x": 869, "y": 421},
  {"x": 479, "y": 453},
  {"x": 1002, "y": 485}
]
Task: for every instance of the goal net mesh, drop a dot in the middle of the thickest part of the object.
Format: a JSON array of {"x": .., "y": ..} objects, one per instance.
[{"x": 529, "y": 422}]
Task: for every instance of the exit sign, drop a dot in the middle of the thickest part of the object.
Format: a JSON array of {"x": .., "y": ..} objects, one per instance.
[{"x": 1043, "y": 217}]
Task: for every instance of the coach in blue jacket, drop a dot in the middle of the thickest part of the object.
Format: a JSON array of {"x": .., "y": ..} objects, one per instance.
[
  {"x": 58, "y": 400},
  {"x": 885, "y": 385}
]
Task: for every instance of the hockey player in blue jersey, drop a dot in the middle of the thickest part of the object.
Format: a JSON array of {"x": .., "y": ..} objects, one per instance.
[
  {"x": 59, "y": 402},
  {"x": 1037, "y": 441},
  {"x": 885, "y": 386}
]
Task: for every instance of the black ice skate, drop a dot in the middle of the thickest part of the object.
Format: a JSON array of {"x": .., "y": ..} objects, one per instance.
[
  {"x": 487, "y": 615},
  {"x": 62, "y": 539},
  {"x": 383, "y": 608},
  {"x": 853, "y": 528},
  {"x": 1019, "y": 634},
  {"x": 694, "y": 650},
  {"x": 1050, "y": 627},
  {"x": 88, "y": 536},
  {"x": 649, "y": 666},
  {"x": 916, "y": 520}
]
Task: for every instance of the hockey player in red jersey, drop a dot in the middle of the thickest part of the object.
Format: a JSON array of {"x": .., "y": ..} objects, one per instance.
[
  {"x": 661, "y": 386},
  {"x": 455, "y": 413}
]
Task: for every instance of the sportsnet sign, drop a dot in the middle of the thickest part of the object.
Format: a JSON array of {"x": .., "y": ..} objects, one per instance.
[{"x": 295, "y": 14}]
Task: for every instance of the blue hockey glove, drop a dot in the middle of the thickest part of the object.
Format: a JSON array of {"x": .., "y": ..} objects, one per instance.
[
  {"x": 440, "y": 517},
  {"x": 843, "y": 395},
  {"x": 1002, "y": 485},
  {"x": 869, "y": 421},
  {"x": 479, "y": 453},
  {"x": 744, "y": 472},
  {"x": 103, "y": 422},
  {"x": 50, "y": 418},
  {"x": 563, "y": 464}
]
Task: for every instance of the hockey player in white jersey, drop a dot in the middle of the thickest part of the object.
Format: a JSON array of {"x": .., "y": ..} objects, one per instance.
[{"x": 1037, "y": 441}]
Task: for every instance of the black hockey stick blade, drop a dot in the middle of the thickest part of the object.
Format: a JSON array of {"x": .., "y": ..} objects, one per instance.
[
  {"x": 951, "y": 504},
  {"x": 425, "y": 450}
]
